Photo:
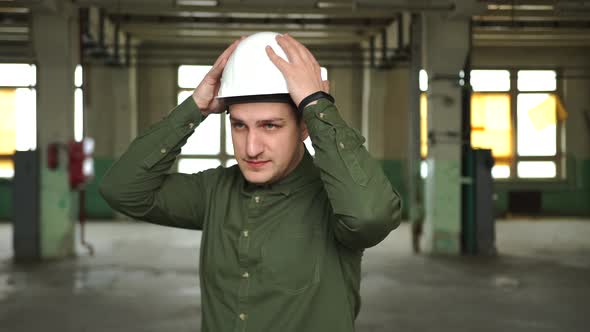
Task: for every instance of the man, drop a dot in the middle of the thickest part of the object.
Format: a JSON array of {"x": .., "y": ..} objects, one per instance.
[{"x": 283, "y": 233}]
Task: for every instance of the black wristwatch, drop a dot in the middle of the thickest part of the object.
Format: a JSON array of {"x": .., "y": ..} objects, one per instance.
[{"x": 312, "y": 97}]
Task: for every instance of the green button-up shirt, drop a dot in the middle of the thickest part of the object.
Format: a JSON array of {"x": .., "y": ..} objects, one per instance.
[{"x": 280, "y": 257}]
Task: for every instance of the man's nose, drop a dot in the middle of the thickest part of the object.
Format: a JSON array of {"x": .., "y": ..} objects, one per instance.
[{"x": 254, "y": 146}]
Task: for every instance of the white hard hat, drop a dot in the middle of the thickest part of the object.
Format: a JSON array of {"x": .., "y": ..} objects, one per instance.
[{"x": 249, "y": 75}]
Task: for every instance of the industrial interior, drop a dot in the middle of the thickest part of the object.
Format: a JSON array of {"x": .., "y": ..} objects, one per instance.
[{"x": 478, "y": 112}]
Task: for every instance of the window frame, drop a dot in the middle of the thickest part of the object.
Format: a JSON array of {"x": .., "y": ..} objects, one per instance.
[
  {"x": 223, "y": 156},
  {"x": 562, "y": 177},
  {"x": 559, "y": 157},
  {"x": 10, "y": 157}
]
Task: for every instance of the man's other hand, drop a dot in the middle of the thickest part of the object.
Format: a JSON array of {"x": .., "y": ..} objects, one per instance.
[{"x": 205, "y": 92}]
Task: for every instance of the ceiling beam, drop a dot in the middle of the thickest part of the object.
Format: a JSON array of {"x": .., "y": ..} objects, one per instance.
[
  {"x": 227, "y": 39},
  {"x": 252, "y": 26},
  {"x": 238, "y": 10}
]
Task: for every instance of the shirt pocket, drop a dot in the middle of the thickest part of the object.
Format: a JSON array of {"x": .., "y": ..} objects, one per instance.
[
  {"x": 349, "y": 144},
  {"x": 291, "y": 258}
]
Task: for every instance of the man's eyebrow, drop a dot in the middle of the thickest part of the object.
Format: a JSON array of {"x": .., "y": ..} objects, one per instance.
[
  {"x": 234, "y": 119},
  {"x": 231, "y": 118},
  {"x": 271, "y": 120}
]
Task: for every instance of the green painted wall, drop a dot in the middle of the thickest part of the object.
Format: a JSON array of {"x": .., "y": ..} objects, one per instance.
[
  {"x": 96, "y": 207},
  {"x": 574, "y": 201},
  {"x": 571, "y": 199},
  {"x": 395, "y": 172}
]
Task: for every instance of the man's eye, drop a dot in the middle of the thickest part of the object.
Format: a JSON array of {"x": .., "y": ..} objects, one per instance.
[
  {"x": 238, "y": 125},
  {"x": 270, "y": 126}
]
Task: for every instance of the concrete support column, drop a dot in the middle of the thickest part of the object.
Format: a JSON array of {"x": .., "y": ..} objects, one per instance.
[
  {"x": 157, "y": 93},
  {"x": 375, "y": 115},
  {"x": 56, "y": 45},
  {"x": 112, "y": 108},
  {"x": 414, "y": 198},
  {"x": 386, "y": 103},
  {"x": 346, "y": 87},
  {"x": 446, "y": 44},
  {"x": 125, "y": 107}
]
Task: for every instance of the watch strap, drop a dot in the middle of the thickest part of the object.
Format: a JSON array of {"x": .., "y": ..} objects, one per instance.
[{"x": 312, "y": 97}]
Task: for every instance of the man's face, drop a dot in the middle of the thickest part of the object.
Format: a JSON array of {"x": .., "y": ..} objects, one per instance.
[{"x": 267, "y": 140}]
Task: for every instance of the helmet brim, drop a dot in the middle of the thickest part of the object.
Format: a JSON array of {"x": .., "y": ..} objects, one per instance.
[{"x": 269, "y": 98}]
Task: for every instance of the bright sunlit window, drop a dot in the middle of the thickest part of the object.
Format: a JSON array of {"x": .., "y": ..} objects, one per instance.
[
  {"x": 218, "y": 150},
  {"x": 491, "y": 128},
  {"x": 78, "y": 104},
  {"x": 532, "y": 101},
  {"x": 207, "y": 147},
  {"x": 18, "y": 113},
  {"x": 536, "y": 169},
  {"x": 490, "y": 80},
  {"x": 537, "y": 80},
  {"x": 537, "y": 126}
]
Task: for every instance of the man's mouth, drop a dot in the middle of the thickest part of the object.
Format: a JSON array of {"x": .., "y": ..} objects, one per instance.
[{"x": 257, "y": 163}]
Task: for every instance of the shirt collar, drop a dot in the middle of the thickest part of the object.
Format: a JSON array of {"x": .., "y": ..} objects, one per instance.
[{"x": 304, "y": 173}]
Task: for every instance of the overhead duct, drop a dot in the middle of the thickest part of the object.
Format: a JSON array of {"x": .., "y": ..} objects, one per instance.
[
  {"x": 573, "y": 8},
  {"x": 43, "y": 5},
  {"x": 102, "y": 39},
  {"x": 463, "y": 8}
]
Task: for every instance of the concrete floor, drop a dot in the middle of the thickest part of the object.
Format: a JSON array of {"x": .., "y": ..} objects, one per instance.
[{"x": 143, "y": 278}]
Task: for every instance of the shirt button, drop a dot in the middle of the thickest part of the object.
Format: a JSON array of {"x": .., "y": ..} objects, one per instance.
[
  {"x": 243, "y": 316},
  {"x": 245, "y": 233},
  {"x": 163, "y": 150},
  {"x": 191, "y": 125},
  {"x": 322, "y": 115},
  {"x": 341, "y": 145},
  {"x": 246, "y": 275},
  {"x": 257, "y": 199}
]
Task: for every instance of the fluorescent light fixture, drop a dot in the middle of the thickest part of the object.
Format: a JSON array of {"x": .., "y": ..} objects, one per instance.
[
  {"x": 328, "y": 4},
  {"x": 307, "y": 16},
  {"x": 520, "y": 7},
  {"x": 200, "y": 3}
]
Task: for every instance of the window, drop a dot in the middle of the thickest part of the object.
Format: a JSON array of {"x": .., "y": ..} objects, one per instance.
[
  {"x": 18, "y": 105},
  {"x": 491, "y": 120},
  {"x": 196, "y": 156},
  {"x": 78, "y": 104},
  {"x": 218, "y": 151},
  {"x": 516, "y": 119},
  {"x": 537, "y": 130}
]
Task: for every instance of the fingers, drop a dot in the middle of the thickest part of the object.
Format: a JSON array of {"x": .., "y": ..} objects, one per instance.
[
  {"x": 303, "y": 51},
  {"x": 291, "y": 50},
  {"x": 217, "y": 69},
  {"x": 298, "y": 53},
  {"x": 215, "y": 72},
  {"x": 277, "y": 60}
]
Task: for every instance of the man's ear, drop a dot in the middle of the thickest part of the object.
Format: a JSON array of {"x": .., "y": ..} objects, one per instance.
[{"x": 303, "y": 133}]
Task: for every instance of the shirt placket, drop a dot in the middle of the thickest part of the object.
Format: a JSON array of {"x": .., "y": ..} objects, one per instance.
[{"x": 245, "y": 270}]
